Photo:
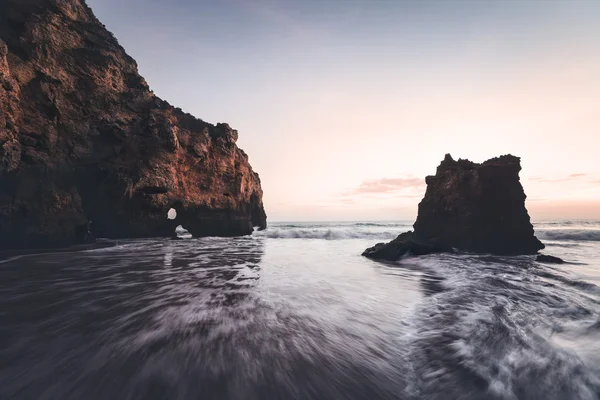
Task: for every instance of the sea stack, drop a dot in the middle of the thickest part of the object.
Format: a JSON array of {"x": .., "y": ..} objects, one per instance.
[
  {"x": 469, "y": 207},
  {"x": 85, "y": 143}
]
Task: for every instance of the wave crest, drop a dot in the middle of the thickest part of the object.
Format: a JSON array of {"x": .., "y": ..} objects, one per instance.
[
  {"x": 328, "y": 234},
  {"x": 569, "y": 234},
  {"x": 389, "y": 231}
]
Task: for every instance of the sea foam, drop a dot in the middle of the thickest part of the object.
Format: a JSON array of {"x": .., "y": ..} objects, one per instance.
[{"x": 569, "y": 234}]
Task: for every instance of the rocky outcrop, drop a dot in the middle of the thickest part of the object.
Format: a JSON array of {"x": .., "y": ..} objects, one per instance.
[
  {"x": 544, "y": 258},
  {"x": 470, "y": 207},
  {"x": 405, "y": 243},
  {"x": 82, "y": 138}
]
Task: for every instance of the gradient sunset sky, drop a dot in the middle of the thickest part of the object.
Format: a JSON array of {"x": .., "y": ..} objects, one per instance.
[{"x": 345, "y": 106}]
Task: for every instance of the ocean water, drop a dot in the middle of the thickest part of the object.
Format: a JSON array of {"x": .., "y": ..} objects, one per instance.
[{"x": 294, "y": 312}]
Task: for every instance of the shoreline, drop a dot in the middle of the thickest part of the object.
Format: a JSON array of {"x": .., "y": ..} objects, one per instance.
[{"x": 6, "y": 254}]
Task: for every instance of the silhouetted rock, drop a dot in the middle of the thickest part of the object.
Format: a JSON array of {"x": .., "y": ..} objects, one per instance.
[
  {"x": 5, "y": 254},
  {"x": 82, "y": 138},
  {"x": 472, "y": 207},
  {"x": 406, "y": 243},
  {"x": 549, "y": 259}
]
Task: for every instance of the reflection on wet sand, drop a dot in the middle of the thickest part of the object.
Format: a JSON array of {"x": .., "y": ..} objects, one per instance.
[{"x": 261, "y": 318}]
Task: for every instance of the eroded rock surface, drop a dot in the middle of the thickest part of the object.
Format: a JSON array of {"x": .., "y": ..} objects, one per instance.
[
  {"x": 82, "y": 138},
  {"x": 549, "y": 259},
  {"x": 470, "y": 207},
  {"x": 405, "y": 243}
]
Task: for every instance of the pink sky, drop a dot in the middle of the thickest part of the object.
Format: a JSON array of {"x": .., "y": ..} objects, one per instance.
[
  {"x": 345, "y": 107},
  {"x": 344, "y": 140}
]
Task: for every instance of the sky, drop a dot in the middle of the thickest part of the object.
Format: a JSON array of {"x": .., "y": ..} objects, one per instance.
[{"x": 344, "y": 106}]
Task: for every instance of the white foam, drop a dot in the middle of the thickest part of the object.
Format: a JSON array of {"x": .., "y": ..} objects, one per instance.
[
  {"x": 569, "y": 234},
  {"x": 328, "y": 234}
]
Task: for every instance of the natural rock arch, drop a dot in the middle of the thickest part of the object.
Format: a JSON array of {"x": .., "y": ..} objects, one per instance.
[{"x": 82, "y": 138}]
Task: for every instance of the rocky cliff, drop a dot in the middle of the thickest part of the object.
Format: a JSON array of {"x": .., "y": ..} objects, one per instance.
[
  {"x": 471, "y": 207},
  {"x": 82, "y": 138}
]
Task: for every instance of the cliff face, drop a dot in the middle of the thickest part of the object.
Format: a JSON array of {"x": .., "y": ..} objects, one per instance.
[
  {"x": 472, "y": 207},
  {"x": 82, "y": 138}
]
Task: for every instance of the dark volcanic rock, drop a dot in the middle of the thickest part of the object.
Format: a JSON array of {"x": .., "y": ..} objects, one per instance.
[
  {"x": 82, "y": 138},
  {"x": 549, "y": 259},
  {"x": 472, "y": 207},
  {"x": 406, "y": 243},
  {"x": 477, "y": 207}
]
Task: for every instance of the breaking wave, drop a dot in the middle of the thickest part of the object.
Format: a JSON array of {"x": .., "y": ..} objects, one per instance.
[
  {"x": 327, "y": 234},
  {"x": 390, "y": 230},
  {"x": 383, "y": 224},
  {"x": 569, "y": 234}
]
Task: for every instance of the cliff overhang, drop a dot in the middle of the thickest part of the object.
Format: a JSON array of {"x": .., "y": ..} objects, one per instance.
[{"x": 87, "y": 149}]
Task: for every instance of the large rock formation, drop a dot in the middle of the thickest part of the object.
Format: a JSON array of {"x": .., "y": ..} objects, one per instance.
[
  {"x": 471, "y": 207},
  {"x": 82, "y": 138}
]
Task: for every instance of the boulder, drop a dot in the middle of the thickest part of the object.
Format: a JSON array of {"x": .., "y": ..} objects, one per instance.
[{"x": 405, "y": 244}]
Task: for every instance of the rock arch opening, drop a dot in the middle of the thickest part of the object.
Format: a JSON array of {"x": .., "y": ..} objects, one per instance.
[
  {"x": 172, "y": 213},
  {"x": 182, "y": 233}
]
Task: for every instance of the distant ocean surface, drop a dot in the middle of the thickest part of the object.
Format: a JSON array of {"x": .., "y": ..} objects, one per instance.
[{"x": 295, "y": 312}]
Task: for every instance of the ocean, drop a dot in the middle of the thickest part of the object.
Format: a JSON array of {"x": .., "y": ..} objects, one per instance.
[{"x": 295, "y": 312}]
